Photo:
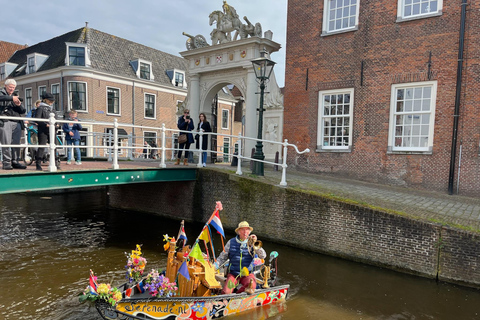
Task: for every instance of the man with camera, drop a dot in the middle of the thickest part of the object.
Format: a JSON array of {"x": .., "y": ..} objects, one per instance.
[
  {"x": 185, "y": 123},
  {"x": 10, "y": 130}
]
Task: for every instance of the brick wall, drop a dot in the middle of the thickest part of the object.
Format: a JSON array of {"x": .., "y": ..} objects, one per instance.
[
  {"x": 313, "y": 222},
  {"x": 392, "y": 52}
]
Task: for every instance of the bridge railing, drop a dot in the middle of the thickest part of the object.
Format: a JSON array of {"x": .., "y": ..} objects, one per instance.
[{"x": 112, "y": 144}]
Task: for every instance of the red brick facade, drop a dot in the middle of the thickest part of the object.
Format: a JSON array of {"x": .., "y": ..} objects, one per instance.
[{"x": 383, "y": 51}]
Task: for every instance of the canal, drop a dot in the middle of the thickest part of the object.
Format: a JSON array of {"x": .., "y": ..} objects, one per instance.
[{"x": 48, "y": 244}]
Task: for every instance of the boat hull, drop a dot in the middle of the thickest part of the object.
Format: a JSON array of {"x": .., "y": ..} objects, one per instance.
[{"x": 192, "y": 307}]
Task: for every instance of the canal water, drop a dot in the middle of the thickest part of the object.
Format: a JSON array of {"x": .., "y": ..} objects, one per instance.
[{"x": 48, "y": 244}]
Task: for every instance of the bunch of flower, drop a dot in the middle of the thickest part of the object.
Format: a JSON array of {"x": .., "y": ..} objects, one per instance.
[
  {"x": 135, "y": 265},
  {"x": 104, "y": 291},
  {"x": 159, "y": 286}
]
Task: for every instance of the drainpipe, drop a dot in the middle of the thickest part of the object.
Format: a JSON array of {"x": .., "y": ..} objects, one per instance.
[
  {"x": 457, "y": 97},
  {"x": 133, "y": 112}
]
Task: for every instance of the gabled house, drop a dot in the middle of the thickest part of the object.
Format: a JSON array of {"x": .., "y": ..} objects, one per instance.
[
  {"x": 386, "y": 91},
  {"x": 104, "y": 77}
]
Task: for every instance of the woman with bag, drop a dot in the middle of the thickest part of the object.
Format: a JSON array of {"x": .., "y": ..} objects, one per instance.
[
  {"x": 203, "y": 126},
  {"x": 185, "y": 123}
]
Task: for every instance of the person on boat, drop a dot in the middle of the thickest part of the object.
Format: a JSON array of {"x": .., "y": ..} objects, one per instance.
[{"x": 241, "y": 255}]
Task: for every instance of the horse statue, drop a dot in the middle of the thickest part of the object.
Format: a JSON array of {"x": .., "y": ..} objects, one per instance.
[{"x": 226, "y": 23}]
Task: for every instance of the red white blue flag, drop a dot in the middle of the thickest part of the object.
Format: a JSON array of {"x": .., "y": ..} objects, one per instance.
[
  {"x": 93, "y": 283},
  {"x": 217, "y": 224},
  {"x": 183, "y": 235}
]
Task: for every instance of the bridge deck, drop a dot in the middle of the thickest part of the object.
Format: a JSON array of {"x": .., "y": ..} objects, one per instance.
[{"x": 92, "y": 173}]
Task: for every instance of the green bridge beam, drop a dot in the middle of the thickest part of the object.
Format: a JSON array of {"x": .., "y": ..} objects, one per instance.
[{"x": 26, "y": 182}]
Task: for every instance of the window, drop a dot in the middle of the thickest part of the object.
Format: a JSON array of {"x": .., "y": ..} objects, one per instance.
[
  {"x": 28, "y": 99},
  {"x": 178, "y": 79},
  {"x": 340, "y": 15},
  {"x": 335, "y": 111},
  {"x": 113, "y": 101},
  {"x": 144, "y": 71},
  {"x": 41, "y": 91},
  {"x": 56, "y": 94},
  {"x": 31, "y": 64},
  {"x": 149, "y": 106},
  {"x": 151, "y": 138},
  {"x": 224, "y": 119},
  {"x": 76, "y": 56},
  {"x": 415, "y": 9},
  {"x": 77, "y": 94},
  {"x": 3, "y": 74},
  {"x": 226, "y": 149},
  {"x": 412, "y": 113}
]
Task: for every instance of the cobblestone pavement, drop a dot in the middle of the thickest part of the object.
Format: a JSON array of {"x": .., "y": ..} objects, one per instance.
[{"x": 437, "y": 207}]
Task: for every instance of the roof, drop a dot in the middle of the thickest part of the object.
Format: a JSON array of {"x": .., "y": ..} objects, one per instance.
[
  {"x": 108, "y": 53},
  {"x": 7, "y": 49}
]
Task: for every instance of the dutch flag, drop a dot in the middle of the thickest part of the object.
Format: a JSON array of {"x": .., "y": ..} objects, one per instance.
[
  {"x": 183, "y": 235},
  {"x": 217, "y": 224}
]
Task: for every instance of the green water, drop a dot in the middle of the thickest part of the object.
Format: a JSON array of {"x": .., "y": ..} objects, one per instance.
[{"x": 49, "y": 243}]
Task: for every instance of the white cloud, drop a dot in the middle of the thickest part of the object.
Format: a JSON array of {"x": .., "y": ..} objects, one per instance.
[{"x": 157, "y": 24}]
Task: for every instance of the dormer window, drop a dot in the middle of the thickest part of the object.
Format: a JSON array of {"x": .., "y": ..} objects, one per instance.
[
  {"x": 35, "y": 61},
  {"x": 5, "y": 69},
  {"x": 143, "y": 69},
  {"x": 177, "y": 77},
  {"x": 77, "y": 54}
]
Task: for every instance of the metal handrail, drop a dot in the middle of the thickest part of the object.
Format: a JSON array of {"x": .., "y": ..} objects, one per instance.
[{"x": 113, "y": 147}]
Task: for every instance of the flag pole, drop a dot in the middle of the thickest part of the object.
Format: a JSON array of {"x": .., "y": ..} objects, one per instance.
[{"x": 211, "y": 245}]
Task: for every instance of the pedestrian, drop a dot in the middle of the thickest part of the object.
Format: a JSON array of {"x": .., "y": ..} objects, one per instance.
[
  {"x": 11, "y": 130},
  {"x": 146, "y": 146},
  {"x": 43, "y": 112},
  {"x": 203, "y": 126},
  {"x": 241, "y": 253},
  {"x": 72, "y": 137},
  {"x": 185, "y": 123}
]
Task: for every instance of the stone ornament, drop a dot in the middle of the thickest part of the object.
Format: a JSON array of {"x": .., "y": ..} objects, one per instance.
[{"x": 226, "y": 21}]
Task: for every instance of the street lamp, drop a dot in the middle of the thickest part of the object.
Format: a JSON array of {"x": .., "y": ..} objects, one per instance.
[{"x": 263, "y": 68}]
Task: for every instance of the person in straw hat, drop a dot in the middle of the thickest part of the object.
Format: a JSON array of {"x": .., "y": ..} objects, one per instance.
[{"x": 241, "y": 255}]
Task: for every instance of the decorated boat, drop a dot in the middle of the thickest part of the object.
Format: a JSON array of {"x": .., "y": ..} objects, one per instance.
[{"x": 196, "y": 292}]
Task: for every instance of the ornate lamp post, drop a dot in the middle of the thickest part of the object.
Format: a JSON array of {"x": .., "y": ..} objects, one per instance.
[{"x": 263, "y": 68}]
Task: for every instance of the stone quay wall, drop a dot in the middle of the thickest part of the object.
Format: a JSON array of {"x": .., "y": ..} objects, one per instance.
[{"x": 336, "y": 227}]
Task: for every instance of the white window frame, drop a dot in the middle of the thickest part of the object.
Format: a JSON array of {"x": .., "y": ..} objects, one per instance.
[
  {"x": 154, "y": 105},
  {"x": 56, "y": 104},
  {"x": 39, "y": 91},
  {"x": 119, "y": 101},
  {"x": 70, "y": 100},
  {"x": 392, "y": 148},
  {"x": 227, "y": 112},
  {"x": 77, "y": 45},
  {"x": 28, "y": 99},
  {"x": 339, "y": 146},
  {"x": 326, "y": 19},
  {"x": 403, "y": 3},
  {"x": 155, "y": 136},
  {"x": 38, "y": 60}
]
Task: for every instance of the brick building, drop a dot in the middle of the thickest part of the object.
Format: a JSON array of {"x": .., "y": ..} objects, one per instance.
[
  {"x": 371, "y": 88},
  {"x": 105, "y": 77}
]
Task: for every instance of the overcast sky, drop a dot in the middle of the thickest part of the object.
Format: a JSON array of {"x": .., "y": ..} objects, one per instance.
[{"x": 156, "y": 23}]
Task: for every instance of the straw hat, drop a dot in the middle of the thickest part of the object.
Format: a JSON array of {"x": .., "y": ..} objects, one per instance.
[{"x": 243, "y": 224}]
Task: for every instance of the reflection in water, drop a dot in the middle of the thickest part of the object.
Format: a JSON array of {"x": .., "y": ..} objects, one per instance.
[{"x": 48, "y": 245}]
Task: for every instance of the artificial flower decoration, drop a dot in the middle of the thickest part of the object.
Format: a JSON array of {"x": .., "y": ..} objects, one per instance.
[
  {"x": 135, "y": 265},
  {"x": 159, "y": 286}
]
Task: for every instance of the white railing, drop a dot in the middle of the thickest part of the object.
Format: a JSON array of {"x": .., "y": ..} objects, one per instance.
[{"x": 112, "y": 146}]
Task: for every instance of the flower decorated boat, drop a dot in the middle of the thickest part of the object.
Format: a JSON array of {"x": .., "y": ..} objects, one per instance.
[{"x": 196, "y": 291}]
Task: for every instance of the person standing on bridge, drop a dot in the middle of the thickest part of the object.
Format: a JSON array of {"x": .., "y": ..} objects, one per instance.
[
  {"x": 10, "y": 130},
  {"x": 185, "y": 123},
  {"x": 43, "y": 112},
  {"x": 203, "y": 126}
]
